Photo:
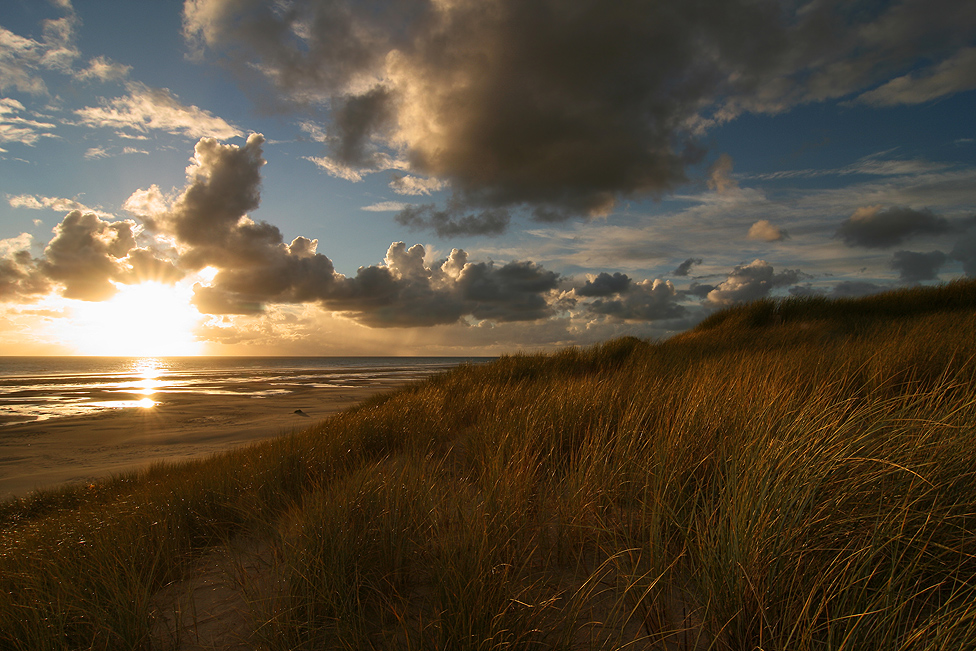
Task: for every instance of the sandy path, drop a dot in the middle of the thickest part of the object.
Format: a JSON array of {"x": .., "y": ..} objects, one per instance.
[{"x": 181, "y": 426}]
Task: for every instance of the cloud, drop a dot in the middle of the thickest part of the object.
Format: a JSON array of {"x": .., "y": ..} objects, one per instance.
[
  {"x": 513, "y": 292},
  {"x": 147, "y": 109},
  {"x": 413, "y": 185},
  {"x": 14, "y": 128},
  {"x": 145, "y": 264},
  {"x": 85, "y": 259},
  {"x": 699, "y": 290},
  {"x": 19, "y": 276},
  {"x": 22, "y": 59},
  {"x": 965, "y": 252},
  {"x": 104, "y": 69},
  {"x": 19, "y": 60},
  {"x": 386, "y": 206},
  {"x": 553, "y": 109},
  {"x": 643, "y": 301},
  {"x": 355, "y": 118},
  {"x": 750, "y": 282},
  {"x": 603, "y": 284},
  {"x": 452, "y": 222},
  {"x": 764, "y": 231},
  {"x": 335, "y": 167},
  {"x": 874, "y": 227},
  {"x": 720, "y": 176},
  {"x": 58, "y": 204},
  {"x": 618, "y": 297},
  {"x": 209, "y": 222},
  {"x": 843, "y": 289},
  {"x": 684, "y": 268},
  {"x": 953, "y": 75},
  {"x": 406, "y": 291},
  {"x": 59, "y": 49},
  {"x": 96, "y": 152},
  {"x": 88, "y": 255},
  {"x": 210, "y": 216},
  {"x": 876, "y": 164},
  {"x": 855, "y": 288},
  {"x": 915, "y": 267}
]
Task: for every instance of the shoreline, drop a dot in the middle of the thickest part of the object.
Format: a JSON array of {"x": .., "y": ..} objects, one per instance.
[{"x": 181, "y": 426}]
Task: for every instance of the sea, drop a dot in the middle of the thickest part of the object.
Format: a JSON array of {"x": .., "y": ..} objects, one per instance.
[{"x": 41, "y": 388}]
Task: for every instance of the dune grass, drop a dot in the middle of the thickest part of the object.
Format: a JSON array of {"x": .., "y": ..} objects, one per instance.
[{"x": 788, "y": 475}]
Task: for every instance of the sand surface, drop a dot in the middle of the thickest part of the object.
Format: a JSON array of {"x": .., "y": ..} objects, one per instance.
[{"x": 46, "y": 453}]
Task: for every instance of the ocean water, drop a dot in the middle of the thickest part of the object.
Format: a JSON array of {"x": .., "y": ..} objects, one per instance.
[{"x": 40, "y": 388}]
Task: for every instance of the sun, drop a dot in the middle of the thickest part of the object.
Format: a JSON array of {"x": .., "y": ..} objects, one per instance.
[{"x": 148, "y": 319}]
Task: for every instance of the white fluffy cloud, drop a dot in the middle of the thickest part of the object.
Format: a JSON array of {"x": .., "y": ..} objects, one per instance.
[
  {"x": 22, "y": 59},
  {"x": 104, "y": 69},
  {"x": 751, "y": 282},
  {"x": 414, "y": 185},
  {"x": 58, "y": 204},
  {"x": 385, "y": 206},
  {"x": 15, "y": 128},
  {"x": 147, "y": 109},
  {"x": 764, "y": 231}
]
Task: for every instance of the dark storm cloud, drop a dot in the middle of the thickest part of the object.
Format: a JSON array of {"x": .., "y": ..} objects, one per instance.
[
  {"x": 355, "y": 121},
  {"x": 916, "y": 267},
  {"x": 873, "y": 227},
  {"x": 561, "y": 108},
  {"x": 855, "y": 288},
  {"x": 965, "y": 252},
  {"x": 645, "y": 301},
  {"x": 407, "y": 291},
  {"x": 224, "y": 183},
  {"x": 256, "y": 267},
  {"x": 684, "y": 268},
  {"x": 844, "y": 289},
  {"x": 751, "y": 282},
  {"x": 699, "y": 290},
  {"x": 605, "y": 285},
  {"x": 513, "y": 292},
  {"x": 452, "y": 221}
]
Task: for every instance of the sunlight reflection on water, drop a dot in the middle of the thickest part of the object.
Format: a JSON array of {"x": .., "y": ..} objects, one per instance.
[
  {"x": 144, "y": 403},
  {"x": 36, "y": 389}
]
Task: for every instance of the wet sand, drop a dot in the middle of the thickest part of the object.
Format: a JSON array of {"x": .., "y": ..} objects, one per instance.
[{"x": 180, "y": 426}]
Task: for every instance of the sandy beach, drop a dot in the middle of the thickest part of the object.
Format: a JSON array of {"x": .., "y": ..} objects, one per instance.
[{"x": 180, "y": 426}]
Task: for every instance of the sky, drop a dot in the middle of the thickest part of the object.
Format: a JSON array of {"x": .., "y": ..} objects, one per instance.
[{"x": 468, "y": 177}]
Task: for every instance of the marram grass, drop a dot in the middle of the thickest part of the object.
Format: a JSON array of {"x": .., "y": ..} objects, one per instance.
[{"x": 789, "y": 475}]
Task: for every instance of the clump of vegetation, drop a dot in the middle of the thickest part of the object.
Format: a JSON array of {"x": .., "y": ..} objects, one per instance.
[{"x": 788, "y": 475}]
